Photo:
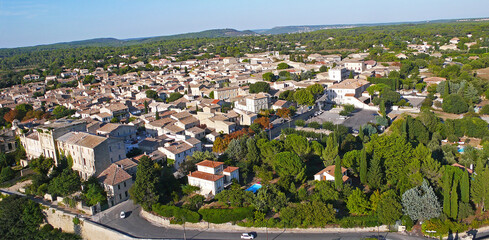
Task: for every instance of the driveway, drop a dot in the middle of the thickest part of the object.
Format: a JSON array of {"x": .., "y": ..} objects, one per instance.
[{"x": 360, "y": 118}]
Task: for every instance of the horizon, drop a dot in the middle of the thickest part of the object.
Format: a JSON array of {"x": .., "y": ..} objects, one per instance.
[{"x": 30, "y": 23}]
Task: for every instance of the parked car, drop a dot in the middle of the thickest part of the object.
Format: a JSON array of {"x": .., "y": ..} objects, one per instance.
[
  {"x": 247, "y": 236},
  {"x": 123, "y": 215}
]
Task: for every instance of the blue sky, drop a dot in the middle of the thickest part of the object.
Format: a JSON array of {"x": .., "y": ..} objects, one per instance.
[{"x": 34, "y": 22}]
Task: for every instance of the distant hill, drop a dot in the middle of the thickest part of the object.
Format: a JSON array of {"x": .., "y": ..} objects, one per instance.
[
  {"x": 113, "y": 42},
  {"x": 214, "y": 33}
]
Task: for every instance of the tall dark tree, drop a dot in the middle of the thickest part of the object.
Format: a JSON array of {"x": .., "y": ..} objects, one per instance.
[
  {"x": 464, "y": 187},
  {"x": 338, "y": 176},
  {"x": 144, "y": 191},
  {"x": 363, "y": 167},
  {"x": 375, "y": 175}
]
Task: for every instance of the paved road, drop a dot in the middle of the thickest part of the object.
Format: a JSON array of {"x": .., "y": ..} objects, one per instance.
[
  {"x": 136, "y": 226},
  {"x": 360, "y": 118},
  {"x": 276, "y": 130}
]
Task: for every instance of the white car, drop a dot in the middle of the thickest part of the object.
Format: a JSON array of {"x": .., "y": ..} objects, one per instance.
[
  {"x": 123, "y": 215},
  {"x": 247, "y": 236}
]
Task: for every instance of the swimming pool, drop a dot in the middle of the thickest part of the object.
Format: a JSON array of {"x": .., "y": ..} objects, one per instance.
[
  {"x": 254, "y": 188},
  {"x": 461, "y": 150}
]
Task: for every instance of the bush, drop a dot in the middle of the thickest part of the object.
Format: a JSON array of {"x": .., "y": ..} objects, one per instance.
[
  {"x": 484, "y": 110},
  {"x": 178, "y": 215},
  {"x": 6, "y": 174},
  {"x": 314, "y": 125},
  {"x": 226, "y": 215},
  {"x": 359, "y": 221},
  {"x": 300, "y": 123}
]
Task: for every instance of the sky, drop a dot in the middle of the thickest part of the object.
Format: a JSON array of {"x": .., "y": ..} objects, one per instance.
[{"x": 35, "y": 22}]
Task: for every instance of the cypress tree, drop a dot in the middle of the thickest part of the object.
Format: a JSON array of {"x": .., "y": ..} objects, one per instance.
[
  {"x": 361, "y": 134},
  {"x": 363, "y": 167},
  {"x": 454, "y": 201},
  {"x": 382, "y": 108},
  {"x": 157, "y": 115},
  {"x": 447, "y": 183},
  {"x": 375, "y": 174},
  {"x": 446, "y": 90},
  {"x": 338, "y": 177},
  {"x": 464, "y": 187}
]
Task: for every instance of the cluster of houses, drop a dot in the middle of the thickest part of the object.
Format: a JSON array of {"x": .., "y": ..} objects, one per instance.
[{"x": 172, "y": 131}]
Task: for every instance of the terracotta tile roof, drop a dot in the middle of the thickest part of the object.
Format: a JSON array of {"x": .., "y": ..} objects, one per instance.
[
  {"x": 205, "y": 176},
  {"x": 113, "y": 175},
  {"x": 330, "y": 170},
  {"x": 126, "y": 163},
  {"x": 209, "y": 163},
  {"x": 230, "y": 169},
  {"x": 463, "y": 168}
]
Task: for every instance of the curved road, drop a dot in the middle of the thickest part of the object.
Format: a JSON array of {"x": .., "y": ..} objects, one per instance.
[{"x": 139, "y": 227}]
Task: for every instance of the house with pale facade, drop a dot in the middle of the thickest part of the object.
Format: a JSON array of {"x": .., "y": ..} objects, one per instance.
[
  {"x": 212, "y": 177},
  {"x": 121, "y": 131},
  {"x": 338, "y": 74},
  {"x": 254, "y": 103},
  {"x": 179, "y": 150},
  {"x": 91, "y": 154},
  {"x": 349, "y": 92},
  {"x": 354, "y": 65},
  {"x": 327, "y": 174},
  {"x": 116, "y": 182},
  {"x": 42, "y": 141}
]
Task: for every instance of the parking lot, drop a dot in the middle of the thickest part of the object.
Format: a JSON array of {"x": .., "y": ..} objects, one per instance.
[{"x": 355, "y": 120}]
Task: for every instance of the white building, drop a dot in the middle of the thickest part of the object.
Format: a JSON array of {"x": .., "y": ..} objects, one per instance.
[
  {"x": 179, "y": 150},
  {"x": 116, "y": 182},
  {"x": 338, "y": 74},
  {"x": 211, "y": 177},
  {"x": 327, "y": 174},
  {"x": 254, "y": 103},
  {"x": 348, "y": 92},
  {"x": 91, "y": 154},
  {"x": 356, "y": 66}
]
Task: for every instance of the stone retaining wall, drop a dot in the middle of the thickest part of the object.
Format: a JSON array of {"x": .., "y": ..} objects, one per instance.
[
  {"x": 160, "y": 221},
  {"x": 86, "y": 229}
]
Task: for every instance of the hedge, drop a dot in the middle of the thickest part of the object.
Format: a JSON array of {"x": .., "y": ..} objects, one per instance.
[
  {"x": 359, "y": 221},
  {"x": 178, "y": 214},
  {"x": 215, "y": 215}
]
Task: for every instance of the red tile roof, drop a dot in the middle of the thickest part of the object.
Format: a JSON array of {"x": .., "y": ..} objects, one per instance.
[
  {"x": 205, "y": 176},
  {"x": 208, "y": 163},
  {"x": 230, "y": 169}
]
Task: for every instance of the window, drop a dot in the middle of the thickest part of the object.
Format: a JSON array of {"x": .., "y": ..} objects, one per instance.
[
  {"x": 118, "y": 186},
  {"x": 126, "y": 193},
  {"x": 124, "y": 184},
  {"x": 110, "y": 149},
  {"x": 120, "y": 196}
]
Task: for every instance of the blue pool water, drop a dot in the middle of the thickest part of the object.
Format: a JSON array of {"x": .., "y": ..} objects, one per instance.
[
  {"x": 461, "y": 150},
  {"x": 254, "y": 188}
]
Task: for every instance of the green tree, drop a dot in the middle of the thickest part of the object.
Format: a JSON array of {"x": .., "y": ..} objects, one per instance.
[
  {"x": 389, "y": 208},
  {"x": 315, "y": 89},
  {"x": 304, "y": 97},
  {"x": 479, "y": 189},
  {"x": 464, "y": 187},
  {"x": 253, "y": 155},
  {"x": 338, "y": 175},
  {"x": 269, "y": 77},
  {"x": 259, "y": 87},
  {"x": 363, "y": 167},
  {"x": 174, "y": 96},
  {"x": 288, "y": 164},
  {"x": 152, "y": 94},
  {"x": 211, "y": 95},
  {"x": 299, "y": 144},
  {"x": 65, "y": 183},
  {"x": 323, "y": 69},
  {"x": 357, "y": 203},
  {"x": 375, "y": 175},
  {"x": 331, "y": 150},
  {"x": 282, "y": 65},
  {"x": 382, "y": 108},
  {"x": 454, "y": 103},
  {"x": 144, "y": 191},
  {"x": 146, "y": 107},
  {"x": 454, "y": 200}
]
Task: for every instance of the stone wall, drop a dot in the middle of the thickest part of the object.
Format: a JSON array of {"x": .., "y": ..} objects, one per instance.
[{"x": 160, "y": 221}]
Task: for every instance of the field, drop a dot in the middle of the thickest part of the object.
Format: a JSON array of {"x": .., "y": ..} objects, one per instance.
[{"x": 483, "y": 73}]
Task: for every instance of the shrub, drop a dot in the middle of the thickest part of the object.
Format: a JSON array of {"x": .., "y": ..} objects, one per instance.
[
  {"x": 226, "y": 215},
  {"x": 300, "y": 123},
  {"x": 454, "y": 104},
  {"x": 178, "y": 215},
  {"x": 359, "y": 221},
  {"x": 314, "y": 125}
]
